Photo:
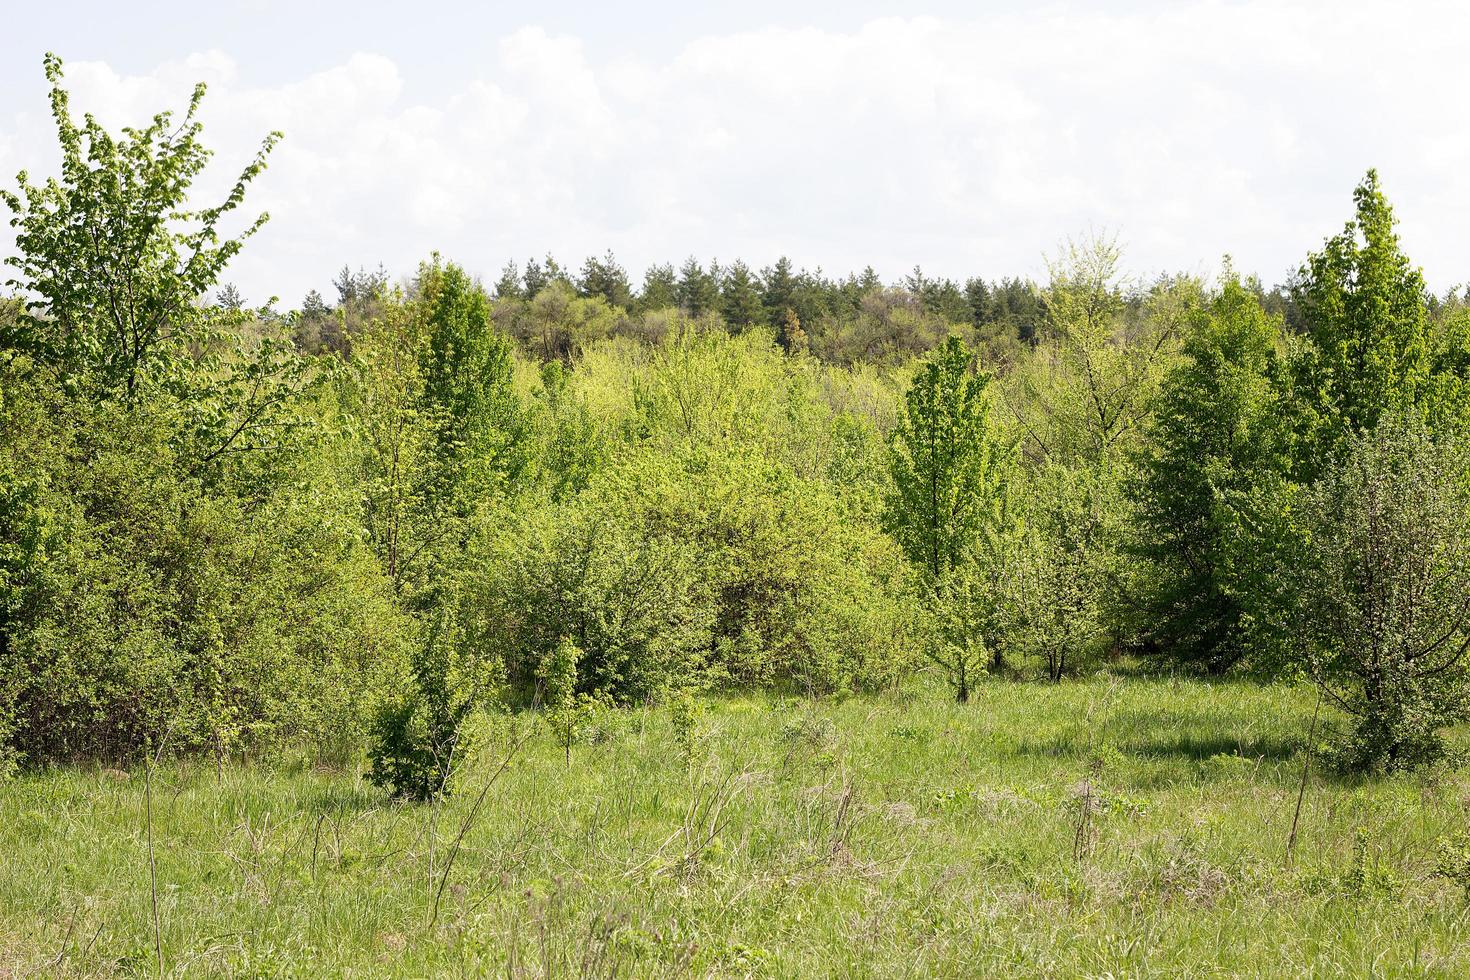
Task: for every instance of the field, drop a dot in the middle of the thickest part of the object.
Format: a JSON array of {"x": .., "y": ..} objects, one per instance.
[{"x": 1125, "y": 827}]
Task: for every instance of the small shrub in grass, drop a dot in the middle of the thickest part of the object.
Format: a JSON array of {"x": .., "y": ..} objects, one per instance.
[
  {"x": 810, "y": 732},
  {"x": 1227, "y": 766},
  {"x": 420, "y": 736},
  {"x": 568, "y": 712},
  {"x": 1452, "y": 859},
  {"x": 1370, "y": 873},
  {"x": 686, "y": 713}
]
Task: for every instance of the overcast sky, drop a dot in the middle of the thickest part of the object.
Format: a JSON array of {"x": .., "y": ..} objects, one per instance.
[{"x": 965, "y": 137}]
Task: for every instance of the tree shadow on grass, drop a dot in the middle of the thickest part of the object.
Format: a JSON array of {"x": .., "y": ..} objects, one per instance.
[
  {"x": 1202, "y": 747},
  {"x": 355, "y": 798},
  {"x": 1168, "y": 737}
]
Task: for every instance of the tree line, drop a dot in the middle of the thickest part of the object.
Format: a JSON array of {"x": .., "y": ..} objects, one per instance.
[{"x": 227, "y": 530}]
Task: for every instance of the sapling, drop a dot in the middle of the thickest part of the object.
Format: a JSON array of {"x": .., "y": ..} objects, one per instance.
[
  {"x": 566, "y": 709},
  {"x": 686, "y": 712}
]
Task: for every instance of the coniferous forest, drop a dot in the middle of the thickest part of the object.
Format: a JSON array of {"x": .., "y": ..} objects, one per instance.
[{"x": 727, "y": 618}]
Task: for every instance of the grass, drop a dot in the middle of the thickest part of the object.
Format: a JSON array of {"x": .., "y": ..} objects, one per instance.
[{"x": 1123, "y": 827}]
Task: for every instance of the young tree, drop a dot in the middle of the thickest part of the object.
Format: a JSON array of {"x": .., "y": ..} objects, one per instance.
[
  {"x": 1218, "y": 437},
  {"x": 1365, "y": 312},
  {"x": 1056, "y": 605},
  {"x": 420, "y": 735},
  {"x": 112, "y": 251},
  {"x": 948, "y": 469},
  {"x": 383, "y": 394},
  {"x": 946, "y": 462},
  {"x": 469, "y": 399},
  {"x": 567, "y": 709},
  {"x": 1381, "y": 589}
]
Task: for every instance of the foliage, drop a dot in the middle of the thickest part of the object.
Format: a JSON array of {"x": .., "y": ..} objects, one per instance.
[
  {"x": 672, "y": 564},
  {"x": 1218, "y": 441},
  {"x": 182, "y": 564},
  {"x": 1364, "y": 308},
  {"x": 111, "y": 251},
  {"x": 1381, "y": 589},
  {"x": 420, "y": 734},
  {"x": 137, "y": 607},
  {"x": 947, "y": 465}
]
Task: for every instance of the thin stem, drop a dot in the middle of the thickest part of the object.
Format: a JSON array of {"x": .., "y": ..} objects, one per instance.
[{"x": 1302, "y": 789}]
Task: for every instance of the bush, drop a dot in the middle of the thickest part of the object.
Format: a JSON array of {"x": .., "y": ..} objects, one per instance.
[
  {"x": 670, "y": 564},
  {"x": 421, "y": 734},
  {"x": 1380, "y": 582},
  {"x": 138, "y": 606}
]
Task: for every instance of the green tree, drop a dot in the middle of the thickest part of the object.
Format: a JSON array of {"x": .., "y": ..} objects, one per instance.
[
  {"x": 383, "y": 393},
  {"x": 778, "y": 290},
  {"x": 1364, "y": 307},
  {"x": 1057, "y": 602},
  {"x": 1218, "y": 440},
  {"x": 605, "y": 278},
  {"x": 567, "y": 709},
  {"x": 697, "y": 291},
  {"x": 947, "y": 464},
  {"x": 740, "y": 300},
  {"x": 948, "y": 468},
  {"x": 111, "y": 250},
  {"x": 659, "y": 289},
  {"x": 508, "y": 286},
  {"x": 420, "y": 734},
  {"x": 1380, "y": 589},
  {"x": 468, "y": 394}
]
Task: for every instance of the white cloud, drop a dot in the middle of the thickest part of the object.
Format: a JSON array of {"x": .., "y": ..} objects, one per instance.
[{"x": 1192, "y": 129}]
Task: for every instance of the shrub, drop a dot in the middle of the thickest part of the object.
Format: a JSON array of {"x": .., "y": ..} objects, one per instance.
[
  {"x": 670, "y": 564},
  {"x": 138, "y": 606},
  {"x": 1381, "y": 589},
  {"x": 420, "y": 735}
]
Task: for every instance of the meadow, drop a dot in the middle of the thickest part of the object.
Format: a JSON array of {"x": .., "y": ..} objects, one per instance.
[{"x": 1118, "y": 825}]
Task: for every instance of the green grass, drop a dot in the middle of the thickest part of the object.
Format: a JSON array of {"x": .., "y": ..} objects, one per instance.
[{"x": 900, "y": 835}]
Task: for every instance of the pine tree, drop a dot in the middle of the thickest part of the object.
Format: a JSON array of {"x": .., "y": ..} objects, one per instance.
[
  {"x": 508, "y": 286},
  {"x": 697, "y": 291},
  {"x": 778, "y": 289},
  {"x": 978, "y": 295},
  {"x": 659, "y": 290},
  {"x": 604, "y": 277},
  {"x": 740, "y": 301}
]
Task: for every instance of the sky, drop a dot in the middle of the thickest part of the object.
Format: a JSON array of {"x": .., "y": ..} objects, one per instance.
[{"x": 968, "y": 138}]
